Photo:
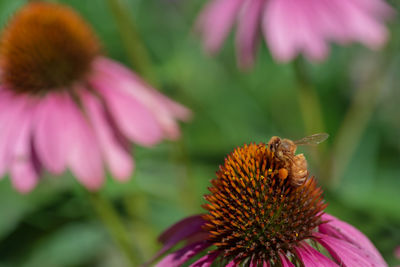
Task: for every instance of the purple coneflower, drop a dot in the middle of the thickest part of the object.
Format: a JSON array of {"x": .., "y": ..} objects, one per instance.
[
  {"x": 64, "y": 105},
  {"x": 292, "y": 27},
  {"x": 256, "y": 217}
]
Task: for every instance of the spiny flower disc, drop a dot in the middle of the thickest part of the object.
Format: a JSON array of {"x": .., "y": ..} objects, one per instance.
[
  {"x": 46, "y": 46},
  {"x": 254, "y": 212}
]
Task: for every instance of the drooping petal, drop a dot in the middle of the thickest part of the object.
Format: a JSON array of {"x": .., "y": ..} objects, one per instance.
[
  {"x": 215, "y": 22},
  {"x": 135, "y": 120},
  {"x": 164, "y": 110},
  {"x": 346, "y": 253},
  {"x": 12, "y": 110},
  {"x": 289, "y": 29},
  {"x": 247, "y": 32},
  {"x": 278, "y": 30},
  {"x": 179, "y": 257},
  {"x": 118, "y": 159},
  {"x": 285, "y": 261},
  {"x": 49, "y": 131},
  {"x": 178, "y": 232},
  {"x": 308, "y": 35},
  {"x": 312, "y": 258},
  {"x": 342, "y": 230},
  {"x": 206, "y": 260},
  {"x": 182, "y": 229},
  {"x": 84, "y": 156},
  {"x": 24, "y": 176}
]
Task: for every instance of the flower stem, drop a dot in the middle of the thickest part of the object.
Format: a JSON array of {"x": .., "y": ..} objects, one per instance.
[
  {"x": 133, "y": 44},
  {"x": 354, "y": 123},
  {"x": 310, "y": 107},
  {"x": 308, "y": 99},
  {"x": 115, "y": 226}
]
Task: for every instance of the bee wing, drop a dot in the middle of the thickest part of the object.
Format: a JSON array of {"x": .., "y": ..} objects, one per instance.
[{"x": 314, "y": 139}]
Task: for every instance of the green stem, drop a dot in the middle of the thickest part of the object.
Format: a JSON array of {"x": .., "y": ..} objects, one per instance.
[
  {"x": 115, "y": 226},
  {"x": 308, "y": 99},
  {"x": 310, "y": 107},
  {"x": 133, "y": 44},
  {"x": 349, "y": 134}
]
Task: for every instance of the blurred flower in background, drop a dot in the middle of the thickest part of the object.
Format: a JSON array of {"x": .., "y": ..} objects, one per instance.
[
  {"x": 397, "y": 252},
  {"x": 293, "y": 27},
  {"x": 256, "y": 217},
  {"x": 65, "y": 105}
]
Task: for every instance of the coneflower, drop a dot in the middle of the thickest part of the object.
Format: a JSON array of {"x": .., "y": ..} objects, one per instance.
[
  {"x": 64, "y": 105},
  {"x": 257, "y": 217}
]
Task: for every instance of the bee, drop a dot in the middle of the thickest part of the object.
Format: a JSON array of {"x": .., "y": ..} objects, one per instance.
[{"x": 294, "y": 166}]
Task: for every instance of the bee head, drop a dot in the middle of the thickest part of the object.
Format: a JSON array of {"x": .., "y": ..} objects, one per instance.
[{"x": 274, "y": 143}]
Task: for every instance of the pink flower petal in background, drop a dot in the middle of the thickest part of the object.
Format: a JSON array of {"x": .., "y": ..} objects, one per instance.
[
  {"x": 247, "y": 33},
  {"x": 23, "y": 174},
  {"x": 133, "y": 118},
  {"x": 49, "y": 141},
  {"x": 118, "y": 159},
  {"x": 83, "y": 152},
  {"x": 216, "y": 21},
  {"x": 292, "y": 27},
  {"x": 397, "y": 252},
  {"x": 164, "y": 110}
]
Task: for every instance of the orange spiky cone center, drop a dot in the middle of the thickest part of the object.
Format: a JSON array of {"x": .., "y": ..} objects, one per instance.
[
  {"x": 46, "y": 47},
  {"x": 254, "y": 212}
]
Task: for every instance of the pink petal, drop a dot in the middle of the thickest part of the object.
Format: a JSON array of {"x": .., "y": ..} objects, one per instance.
[
  {"x": 177, "y": 110},
  {"x": 49, "y": 131},
  {"x": 118, "y": 159},
  {"x": 182, "y": 229},
  {"x": 134, "y": 119},
  {"x": 23, "y": 174},
  {"x": 312, "y": 258},
  {"x": 342, "y": 230},
  {"x": 346, "y": 253},
  {"x": 206, "y": 260},
  {"x": 232, "y": 263},
  {"x": 279, "y": 29},
  {"x": 84, "y": 156},
  {"x": 24, "y": 177},
  {"x": 178, "y": 232},
  {"x": 179, "y": 257},
  {"x": 247, "y": 32},
  {"x": 378, "y": 8},
  {"x": 216, "y": 20},
  {"x": 163, "y": 109},
  {"x": 397, "y": 253},
  {"x": 363, "y": 27},
  {"x": 12, "y": 110},
  {"x": 285, "y": 261},
  {"x": 308, "y": 35}
]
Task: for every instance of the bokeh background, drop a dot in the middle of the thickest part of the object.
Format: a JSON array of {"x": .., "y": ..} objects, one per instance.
[{"x": 56, "y": 225}]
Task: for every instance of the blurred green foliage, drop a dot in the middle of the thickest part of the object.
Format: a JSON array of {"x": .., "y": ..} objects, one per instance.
[{"x": 56, "y": 226}]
